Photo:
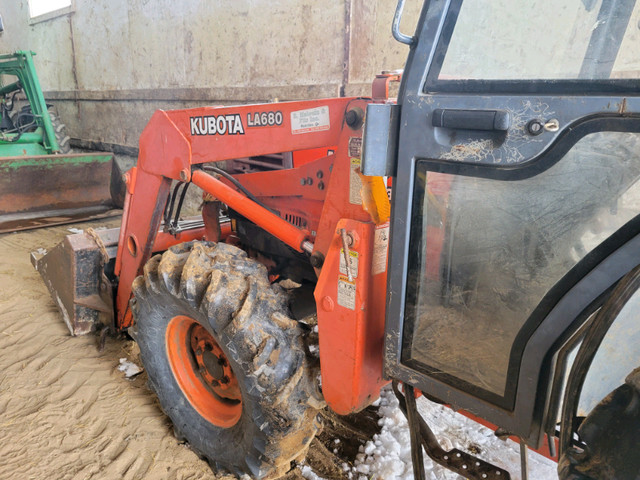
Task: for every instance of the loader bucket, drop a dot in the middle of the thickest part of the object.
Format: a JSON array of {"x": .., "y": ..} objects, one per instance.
[
  {"x": 79, "y": 275},
  {"x": 38, "y": 191},
  {"x": 79, "y": 271}
]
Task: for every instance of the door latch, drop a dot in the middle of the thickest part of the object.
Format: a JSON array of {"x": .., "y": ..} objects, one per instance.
[{"x": 536, "y": 126}]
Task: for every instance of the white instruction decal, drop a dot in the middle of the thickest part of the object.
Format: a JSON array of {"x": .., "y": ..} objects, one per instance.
[
  {"x": 355, "y": 183},
  {"x": 380, "y": 248},
  {"x": 311, "y": 120},
  {"x": 353, "y": 263},
  {"x": 355, "y": 147},
  {"x": 346, "y": 293}
]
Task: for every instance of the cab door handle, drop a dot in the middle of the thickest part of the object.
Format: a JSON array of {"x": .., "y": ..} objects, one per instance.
[{"x": 490, "y": 120}]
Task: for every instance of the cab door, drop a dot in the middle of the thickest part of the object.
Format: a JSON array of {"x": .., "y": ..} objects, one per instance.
[{"x": 516, "y": 196}]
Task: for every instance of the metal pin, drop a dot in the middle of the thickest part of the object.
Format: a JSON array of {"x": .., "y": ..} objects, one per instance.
[
  {"x": 552, "y": 445},
  {"x": 345, "y": 252},
  {"x": 524, "y": 467}
]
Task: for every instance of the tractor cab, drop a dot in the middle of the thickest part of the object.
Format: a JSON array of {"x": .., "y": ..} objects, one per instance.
[{"x": 515, "y": 154}]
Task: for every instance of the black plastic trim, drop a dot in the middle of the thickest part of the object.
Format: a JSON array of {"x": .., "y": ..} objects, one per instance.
[{"x": 543, "y": 161}]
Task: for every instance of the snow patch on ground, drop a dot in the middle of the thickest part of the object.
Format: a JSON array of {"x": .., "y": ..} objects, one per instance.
[
  {"x": 130, "y": 369},
  {"x": 307, "y": 473},
  {"x": 388, "y": 455}
]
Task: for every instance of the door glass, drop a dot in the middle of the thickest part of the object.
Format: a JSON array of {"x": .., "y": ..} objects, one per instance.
[
  {"x": 615, "y": 359},
  {"x": 541, "y": 39},
  {"x": 485, "y": 252}
]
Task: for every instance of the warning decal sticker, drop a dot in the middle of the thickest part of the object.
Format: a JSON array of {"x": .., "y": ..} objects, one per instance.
[
  {"x": 353, "y": 263},
  {"x": 380, "y": 247},
  {"x": 346, "y": 293},
  {"x": 355, "y": 183},
  {"x": 355, "y": 147},
  {"x": 311, "y": 120}
]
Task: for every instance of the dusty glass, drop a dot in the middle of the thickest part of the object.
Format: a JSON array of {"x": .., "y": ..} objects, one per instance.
[
  {"x": 540, "y": 39},
  {"x": 485, "y": 252}
]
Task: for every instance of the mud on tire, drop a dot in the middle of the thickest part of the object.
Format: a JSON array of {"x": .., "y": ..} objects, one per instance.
[{"x": 229, "y": 295}]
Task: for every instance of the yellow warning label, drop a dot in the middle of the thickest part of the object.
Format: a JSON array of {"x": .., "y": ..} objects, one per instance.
[
  {"x": 355, "y": 183},
  {"x": 346, "y": 293},
  {"x": 353, "y": 263}
]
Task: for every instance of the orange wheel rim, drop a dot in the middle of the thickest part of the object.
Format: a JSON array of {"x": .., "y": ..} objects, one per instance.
[{"x": 203, "y": 372}]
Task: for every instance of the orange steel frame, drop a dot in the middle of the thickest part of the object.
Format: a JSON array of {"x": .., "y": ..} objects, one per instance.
[{"x": 351, "y": 339}]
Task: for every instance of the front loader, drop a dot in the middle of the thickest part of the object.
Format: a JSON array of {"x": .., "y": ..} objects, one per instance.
[
  {"x": 41, "y": 182},
  {"x": 500, "y": 280}
]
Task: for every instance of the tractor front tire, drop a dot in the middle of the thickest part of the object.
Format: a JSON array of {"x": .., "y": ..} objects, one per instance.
[{"x": 226, "y": 361}]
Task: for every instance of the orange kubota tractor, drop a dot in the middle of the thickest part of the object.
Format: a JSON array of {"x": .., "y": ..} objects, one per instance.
[{"x": 501, "y": 279}]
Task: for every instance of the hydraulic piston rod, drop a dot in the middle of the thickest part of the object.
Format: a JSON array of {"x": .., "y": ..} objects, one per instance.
[{"x": 272, "y": 223}]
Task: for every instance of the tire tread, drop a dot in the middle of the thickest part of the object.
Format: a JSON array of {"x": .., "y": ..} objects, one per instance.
[{"x": 234, "y": 294}]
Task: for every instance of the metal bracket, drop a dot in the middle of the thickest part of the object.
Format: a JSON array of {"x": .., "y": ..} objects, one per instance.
[
  {"x": 462, "y": 463},
  {"x": 380, "y": 140}
]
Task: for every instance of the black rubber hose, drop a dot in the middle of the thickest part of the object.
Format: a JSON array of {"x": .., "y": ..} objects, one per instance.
[
  {"x": 182, "y": 195},
  {"x": 168, "y": 209},
  {"x": 236, "y": 183}
]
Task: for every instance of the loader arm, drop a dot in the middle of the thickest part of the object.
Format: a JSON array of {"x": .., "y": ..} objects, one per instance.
[
  {"x": 175, "y": 142},
  {"x": 351, "y": 319}
]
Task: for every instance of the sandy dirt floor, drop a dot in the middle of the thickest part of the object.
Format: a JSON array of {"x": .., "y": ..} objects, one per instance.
[{"x": 66, "y": 411}]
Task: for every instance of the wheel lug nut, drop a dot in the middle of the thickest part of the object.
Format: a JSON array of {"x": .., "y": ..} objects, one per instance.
[
  {"x": 224, "y": 380},
  {"x": 222, "y": 361}
]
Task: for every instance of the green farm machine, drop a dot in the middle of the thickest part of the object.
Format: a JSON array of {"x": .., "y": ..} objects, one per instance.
[{"x": 41, "y": 182}]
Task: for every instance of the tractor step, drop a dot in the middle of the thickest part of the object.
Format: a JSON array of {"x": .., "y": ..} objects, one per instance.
[{"x": 39, "y": 191}]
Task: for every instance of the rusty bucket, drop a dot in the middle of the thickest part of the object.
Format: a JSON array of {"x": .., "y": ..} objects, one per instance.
[{"x": 39, "y": 191}]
